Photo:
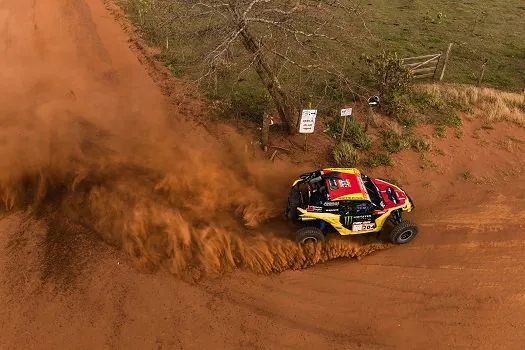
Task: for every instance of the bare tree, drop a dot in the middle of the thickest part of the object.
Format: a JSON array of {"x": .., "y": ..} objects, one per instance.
[{"x": 301, "y": 43}]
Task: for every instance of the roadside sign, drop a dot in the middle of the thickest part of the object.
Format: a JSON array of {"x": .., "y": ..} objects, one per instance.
[
  {"x": 346, "y": 112},
  {"x": 307, "y": 124}
]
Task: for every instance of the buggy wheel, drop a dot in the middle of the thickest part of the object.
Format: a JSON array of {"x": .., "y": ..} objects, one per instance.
[
  {"x": 309, "y": 235},
  {"x": 403, "y": 232}
]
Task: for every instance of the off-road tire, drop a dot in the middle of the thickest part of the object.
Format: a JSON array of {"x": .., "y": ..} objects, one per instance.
[
  {"x": 403, "y": 232},
  {"x": 309, "y": 234}
]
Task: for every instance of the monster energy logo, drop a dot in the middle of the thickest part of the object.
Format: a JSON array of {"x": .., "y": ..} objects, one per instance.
[{"x": 347, "y": 220}]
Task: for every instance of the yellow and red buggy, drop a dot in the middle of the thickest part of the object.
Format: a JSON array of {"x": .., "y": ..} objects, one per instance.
[{"x": 350, "y": 202}]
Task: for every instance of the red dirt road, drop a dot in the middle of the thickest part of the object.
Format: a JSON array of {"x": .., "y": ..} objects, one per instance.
[{"x": 459, "y": 284}]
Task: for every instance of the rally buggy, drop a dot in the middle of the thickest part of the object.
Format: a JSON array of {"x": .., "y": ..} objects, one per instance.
[{"x": 350, "y": 202}]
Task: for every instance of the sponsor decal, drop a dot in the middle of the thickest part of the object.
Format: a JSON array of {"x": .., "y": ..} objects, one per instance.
[
  {"x": 331, "y": 204},
  {"x": 363, "y": 218},
  {"x": 314, "y": 208},
  {"x": 363, "y": 226},
  {"x": 331, "y": 210},
  {"x": 344, "y": 183}
]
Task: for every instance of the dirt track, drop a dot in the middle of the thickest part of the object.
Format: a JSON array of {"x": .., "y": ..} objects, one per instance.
[{"x": 460, "y": 284}]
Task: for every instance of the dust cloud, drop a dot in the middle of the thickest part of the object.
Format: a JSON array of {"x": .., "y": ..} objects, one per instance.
[
  {"x": 86, "y": 135},
  {"x": 169, "y": 194}
]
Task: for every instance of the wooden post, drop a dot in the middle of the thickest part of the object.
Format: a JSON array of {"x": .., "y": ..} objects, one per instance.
[
  {"x": 306, "y": 142},
  {"x": 445, "y": 62},
  {"x": 437, "y": 65},
  {"x": 344, "y": 128},
  {"x": 306, "y": 135},
  {"x": 483, "y": 66},
  {"x": 273, "y": 155},
  {"x": 265, "y": 132},
  {"x": 367, "y": 120}
]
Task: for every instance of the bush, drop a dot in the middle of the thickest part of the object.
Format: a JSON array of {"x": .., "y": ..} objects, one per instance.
[
  {"x": 345, "y": 155},
  {"x": 393, "y": 142},
  {"x": 419, "y": 144},
  {"x": 440, "y": 131},
  {"x": 434, "y": 109},
  {"x": 379, "y": 159},
  {"x": 354, "y": 133},
  {"x": 392, "y": 80}
]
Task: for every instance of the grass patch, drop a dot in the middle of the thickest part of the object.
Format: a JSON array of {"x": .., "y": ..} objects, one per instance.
[
  {"x": 480, "y": 30},
  {"x": 493, "y": 105},
  {"x": 394, "y": 142},
  {"x": 427, "y": 163},
  {"x": 428, "y": 106},
  {"x": 440, "y": 131},
  {"x": 345, "y": 155},
  {"x": 354, "y": 133},
  {"x": 458, "y": 133},
  {"x": 420, "y": 144},
  {"x": 380, "y": 159}
]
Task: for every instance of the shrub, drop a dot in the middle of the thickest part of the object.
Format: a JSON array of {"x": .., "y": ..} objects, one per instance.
[
  {"x": 440, "y": 131},
  {"x": 354, "y": 133},
  {"x": 392, "y": 80},
  {"x": 345, "y": 155},
  {"x": 393, "y": 142},
  {"x": 419, "y": 144},
  {"x": 434, "y": 109}
]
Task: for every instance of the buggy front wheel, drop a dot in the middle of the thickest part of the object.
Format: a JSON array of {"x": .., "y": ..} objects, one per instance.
[{"x": 403, "y": 232}]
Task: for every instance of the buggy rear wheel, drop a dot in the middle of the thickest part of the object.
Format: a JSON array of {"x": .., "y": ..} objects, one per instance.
[
  {"x": 403, "y": 232},
  {"x": 309, "y": 235}
]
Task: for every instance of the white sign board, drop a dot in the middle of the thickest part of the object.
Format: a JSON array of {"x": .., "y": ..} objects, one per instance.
[
  {"x": 346, "y": 112},
  {"x": 307, "y": 124}
]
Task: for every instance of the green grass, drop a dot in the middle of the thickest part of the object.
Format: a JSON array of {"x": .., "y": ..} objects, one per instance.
[
  {"x": 345, "y": 155},
  {"x": 394, "y": 142},
  {"x": 379, "y": 159},
  {"x": 479, "y": 30},
  {"x": 354, "y": 133},
  {"x": 440, "y": 131}
]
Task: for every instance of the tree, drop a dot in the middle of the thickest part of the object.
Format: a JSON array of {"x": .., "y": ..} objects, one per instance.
[{"x": 295, "y": 48}]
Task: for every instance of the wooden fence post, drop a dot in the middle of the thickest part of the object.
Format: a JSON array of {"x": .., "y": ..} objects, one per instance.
[
  {"x": 483, "y": 66},
  {"x": 343, "y": 131},
  {"x": 445, "y": 62},
  {"x": 265, "y": 132}
]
